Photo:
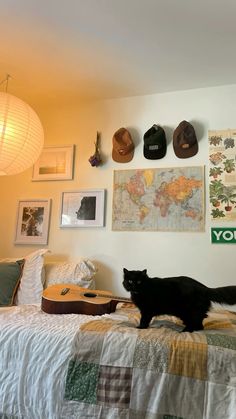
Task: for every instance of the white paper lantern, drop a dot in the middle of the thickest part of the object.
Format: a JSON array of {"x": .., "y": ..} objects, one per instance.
[{"x": 21, "y": 135}]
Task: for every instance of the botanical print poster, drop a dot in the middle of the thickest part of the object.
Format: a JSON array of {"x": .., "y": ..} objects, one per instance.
[
  {"x": 222, "y": 173},
  {"x": 169, "y": 199},
  {"x": 32, "y": 224}
]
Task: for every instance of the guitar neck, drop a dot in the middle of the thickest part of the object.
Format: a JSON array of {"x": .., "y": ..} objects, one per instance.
[{"x": 115, "y": 298}]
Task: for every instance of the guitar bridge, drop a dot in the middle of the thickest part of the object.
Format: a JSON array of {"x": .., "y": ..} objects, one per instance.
[{"x": 65, "y": 291}]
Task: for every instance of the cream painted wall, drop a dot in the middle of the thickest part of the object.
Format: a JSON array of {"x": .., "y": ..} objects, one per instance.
[{"x": 163, "y": 254}]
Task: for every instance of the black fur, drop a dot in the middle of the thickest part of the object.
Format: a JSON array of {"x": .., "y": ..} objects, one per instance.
[{"x": 181, "y": 296}]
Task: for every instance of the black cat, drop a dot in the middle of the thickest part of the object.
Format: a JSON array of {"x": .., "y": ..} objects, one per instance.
[{"x": 181, "y": 296}]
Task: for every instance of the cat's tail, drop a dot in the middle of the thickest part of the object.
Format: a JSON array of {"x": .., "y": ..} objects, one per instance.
[{"x": 223, "y": 295}]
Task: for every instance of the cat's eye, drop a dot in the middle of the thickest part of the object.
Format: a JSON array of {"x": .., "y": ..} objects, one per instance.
[{"x": 130, "y": 281}]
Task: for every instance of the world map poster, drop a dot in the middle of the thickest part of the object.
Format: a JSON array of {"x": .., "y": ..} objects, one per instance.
[{"x": 163, "y": 199}]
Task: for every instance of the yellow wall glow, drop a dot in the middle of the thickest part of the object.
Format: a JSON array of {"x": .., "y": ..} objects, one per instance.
[{"x": 163, "y": 254}]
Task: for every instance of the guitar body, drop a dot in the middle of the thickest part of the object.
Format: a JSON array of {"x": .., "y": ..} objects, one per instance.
[{"x": 69, "y": 298}]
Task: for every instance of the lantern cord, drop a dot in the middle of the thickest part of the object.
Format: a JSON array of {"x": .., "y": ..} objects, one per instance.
[{"x": 6, "y": 81}]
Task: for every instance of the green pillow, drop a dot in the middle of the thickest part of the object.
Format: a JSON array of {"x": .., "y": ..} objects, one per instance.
[{"x": 10, "y": 275}]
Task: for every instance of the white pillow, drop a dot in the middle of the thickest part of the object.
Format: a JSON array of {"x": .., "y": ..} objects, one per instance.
[
  {"x": 80, "y": 273},
  {"x": 31, "y": 284}
]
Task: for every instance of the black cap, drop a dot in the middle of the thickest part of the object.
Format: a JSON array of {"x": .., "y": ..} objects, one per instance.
[{"x": 154, "y": 143}]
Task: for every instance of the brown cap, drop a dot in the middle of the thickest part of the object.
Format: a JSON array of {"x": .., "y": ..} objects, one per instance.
[
  {"x": 185, "y": 141},
  {"x": 123, "y": 146}
]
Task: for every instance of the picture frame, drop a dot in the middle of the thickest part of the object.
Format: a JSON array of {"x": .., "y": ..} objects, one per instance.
[
  {"x": 55, "y": 163},
  {"x": 82, "y": 208},
  {"x": 32, "y": 221}
]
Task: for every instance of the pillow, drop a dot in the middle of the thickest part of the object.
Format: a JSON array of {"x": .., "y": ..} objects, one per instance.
[
  {"x": 31, "y": 284},
  {"x": 80, "y": 273},
  {"x": 10, "y": 275}
]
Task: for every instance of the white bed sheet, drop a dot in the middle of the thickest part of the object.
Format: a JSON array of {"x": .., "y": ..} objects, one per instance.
[{"x": 35, "y": 348}]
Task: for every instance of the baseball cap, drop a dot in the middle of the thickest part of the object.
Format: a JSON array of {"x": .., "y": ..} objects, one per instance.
[
  {"x": 123, "y": 146},
  {"x": 154, "y": 143},
  {"x": 185, "y": 141}
]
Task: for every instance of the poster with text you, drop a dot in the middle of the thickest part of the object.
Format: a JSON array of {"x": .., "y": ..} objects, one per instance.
[{"x": 222, "y": 181}]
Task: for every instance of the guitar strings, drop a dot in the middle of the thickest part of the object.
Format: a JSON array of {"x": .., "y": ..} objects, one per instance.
[{"x": 76, "y": 292}]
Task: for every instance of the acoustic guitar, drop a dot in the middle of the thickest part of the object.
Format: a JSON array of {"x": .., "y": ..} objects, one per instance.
[{"x": 69, "y": 298}]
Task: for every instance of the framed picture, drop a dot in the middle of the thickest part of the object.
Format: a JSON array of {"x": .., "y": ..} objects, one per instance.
[
  {"x": 82, "y": 208},
  {"x": 55, "y": 163},
  {"x": 32, "y": 221}
]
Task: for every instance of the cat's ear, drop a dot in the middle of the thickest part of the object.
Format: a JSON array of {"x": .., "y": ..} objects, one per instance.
[
  {"x": 144, "y": 271},
  {"x": 125, "y": 270}
]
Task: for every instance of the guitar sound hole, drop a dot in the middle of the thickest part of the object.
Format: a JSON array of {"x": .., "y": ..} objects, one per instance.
[{"x": 90, "y": 294}]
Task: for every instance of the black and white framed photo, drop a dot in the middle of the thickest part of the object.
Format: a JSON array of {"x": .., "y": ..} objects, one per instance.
[
  {"x": 32, "y": 221},
  {"x": 55, "y": 163},
  {"x": 82, "y": 208}
]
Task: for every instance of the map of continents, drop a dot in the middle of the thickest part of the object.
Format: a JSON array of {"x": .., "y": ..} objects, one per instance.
[{"x": 169, "y": 199}]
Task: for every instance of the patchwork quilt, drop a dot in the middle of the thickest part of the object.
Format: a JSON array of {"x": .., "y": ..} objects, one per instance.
[{"x": 119, "y": 371}]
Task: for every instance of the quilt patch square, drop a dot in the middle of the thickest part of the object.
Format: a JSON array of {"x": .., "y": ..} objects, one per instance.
[
  {"x": 221, "y": 366},
  {"x": 188, "y": 359},
  {"x": 224, "y": 401},
  {"x": 151, "y": 351},
  {"x": 222, "y": 341},
  {"x": 167, "y": 394},
  {"x": 93, "y": 341},
  {"x": 114, "y": 386},
  {"x": 118, "y": 347},
  {"x": 81, "y": 382},
  {"x": 98, "y": 326}
]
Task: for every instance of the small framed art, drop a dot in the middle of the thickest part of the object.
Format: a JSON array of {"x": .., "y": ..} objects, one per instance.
[
  {"x": 32, "y": 221},
  {"x": 82, "y": 208},
  {"x": 55, "y": 163}
]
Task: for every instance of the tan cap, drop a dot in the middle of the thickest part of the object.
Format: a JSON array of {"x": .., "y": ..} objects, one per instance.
[{"x": 123, "y": 146}]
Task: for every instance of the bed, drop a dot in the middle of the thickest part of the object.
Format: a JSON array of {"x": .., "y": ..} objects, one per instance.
[{"x": 78, "y": 366}]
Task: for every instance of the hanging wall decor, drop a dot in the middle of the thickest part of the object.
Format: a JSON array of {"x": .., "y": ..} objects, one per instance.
[
  {"x": 163, "y": 199},
  {"x": 55, "y": 163},
  {"x": 222, "y": 235},
  {"x": 82, "y": 208},
  {"x": 95, "y": 160},
  {"x": 222, "y": 174},
  {"x": 32, "y": 222}
]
